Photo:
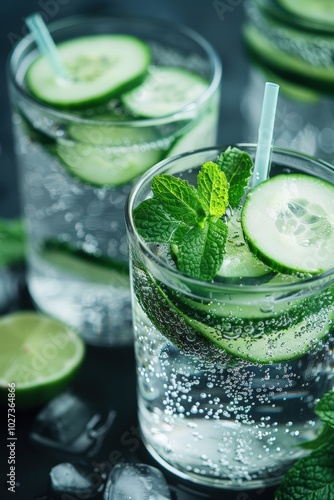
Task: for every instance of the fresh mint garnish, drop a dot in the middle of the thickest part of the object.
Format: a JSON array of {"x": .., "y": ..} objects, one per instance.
[
  {"x": 237, "y": 166},
  {"x": 190, "y": 219},
  {"x": 12, "y": 241},
  {"x": 312, "y": 477}
]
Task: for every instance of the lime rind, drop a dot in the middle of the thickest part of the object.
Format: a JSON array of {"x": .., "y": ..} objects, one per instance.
[{"x": 39, "y": 355}]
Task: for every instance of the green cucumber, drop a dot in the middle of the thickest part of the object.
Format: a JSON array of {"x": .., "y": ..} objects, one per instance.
[
  {"x": 316, "y": 10},
  {"x": 199, "y": 135},
  {"x": 194, "y": 334},
  {"x": 288, "y": 222},
  {"x": 320, "y": 78},
  {"x": 84, "y": 266},
  {"x": 165, "y": 91},
  {"x": 239, "y": 262},
  {"x": 99, "y": 66},
  {"x": 100, "y": 165}
]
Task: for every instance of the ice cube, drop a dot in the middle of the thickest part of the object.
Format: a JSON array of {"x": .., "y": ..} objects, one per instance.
[
  {"x": 70, "y": 425},
  {"x": 74, "y": 479},
  {"x": 136, "y": 482}
]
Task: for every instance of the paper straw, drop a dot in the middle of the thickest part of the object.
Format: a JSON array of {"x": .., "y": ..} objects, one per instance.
[
  {"x": 265, "y": 136},
  {"x": 46, "y": 44}
]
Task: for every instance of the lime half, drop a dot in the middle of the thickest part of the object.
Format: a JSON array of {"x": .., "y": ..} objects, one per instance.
[{"x": 39, "y": 355}]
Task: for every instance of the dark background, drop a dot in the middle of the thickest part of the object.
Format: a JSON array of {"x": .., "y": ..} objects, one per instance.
[{"x": 107, "y": 378}]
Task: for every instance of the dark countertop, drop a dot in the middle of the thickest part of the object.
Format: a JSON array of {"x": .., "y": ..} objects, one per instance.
[{"x": 107, "y": 377}]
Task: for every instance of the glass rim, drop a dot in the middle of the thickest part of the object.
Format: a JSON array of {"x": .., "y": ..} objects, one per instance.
[
  {"x": 28, "y": 42},
  {"x": 316, "y": 279}
]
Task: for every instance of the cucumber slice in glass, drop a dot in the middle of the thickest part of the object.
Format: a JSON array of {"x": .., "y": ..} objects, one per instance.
[
  {"x": 99, "y": 66},
  {"x": 86, "y": 267},
  {"x": 288, "y": 222},
  {"x": 320, "y": 78},
  {"x": 199, "y": 135},
  {"x": 107, "y": 166},
  {"x": 317, "y": 10},
  {"x": 192, "y": 331},
  {"x": 239, "y": 262},
  {"x": 165, "y": 91}
]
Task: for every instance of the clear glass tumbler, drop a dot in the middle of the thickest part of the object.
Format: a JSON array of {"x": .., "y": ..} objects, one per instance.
[
  {"x": 228, "y": 416},
  {"x": 77, "y": 166},
  {"x": 292, "y": 44}
]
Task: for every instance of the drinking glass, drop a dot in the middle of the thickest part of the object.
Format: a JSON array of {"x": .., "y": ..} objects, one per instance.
[
  {"x": 230, "y": 415},
  {"x": 77, "y": 166},
  {"x": 291, "y": 43}
]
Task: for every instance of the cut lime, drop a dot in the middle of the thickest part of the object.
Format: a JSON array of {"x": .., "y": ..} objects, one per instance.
[
  {"x": 99, "y": 67},
  {"x": 39, "y": 355},
  {"x": 316, "y": 10}
]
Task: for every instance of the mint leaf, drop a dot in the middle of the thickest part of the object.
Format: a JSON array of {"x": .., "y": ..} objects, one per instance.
[
  {"x": 179, "y": 198},
  {"x": 154, "y": 224},
  {"x": 237, "y": 166},
  {"x": 12, "y": 241},
  {"x": 213, "y": 189},
  {"x": 326, "y": 434},
  {"x": 311, "y": 478},
  {"x": 201, "y": 249},
  {"x": 325, "y": 408}
]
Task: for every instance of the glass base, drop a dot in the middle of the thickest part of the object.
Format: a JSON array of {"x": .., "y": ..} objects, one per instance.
[{"x": 206, "y": 482}]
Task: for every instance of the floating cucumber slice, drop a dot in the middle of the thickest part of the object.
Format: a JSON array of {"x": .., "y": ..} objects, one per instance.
[
  {"x": 99, "y": 66},
  {"x": 294, "y": 68},
  {"x": 282, "y": 345},
  {"x": 170, "y": 321},
  {"x": 86, "y": 267},
  {"x": 103, "y": 166},
  {"x": 199, "y": 135},
  {"x": 317, "y": 10},
  {"x": 164, "y": 92},
  {"x": 288, "y": 222},
  {"x": 197, "y": 337},
  {"x": 239, "y": 262}
]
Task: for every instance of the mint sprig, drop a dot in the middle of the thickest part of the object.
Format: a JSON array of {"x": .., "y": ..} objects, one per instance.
[
  {"x": 312, "y": 477},
  {"x": 237, "y": 166},
  {"x": 190, "y": 218}
]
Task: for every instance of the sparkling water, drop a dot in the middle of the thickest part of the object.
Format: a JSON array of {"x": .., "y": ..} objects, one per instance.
[
  {"x": 236, "y": 426},
  {"x": 61, "y": 208}
]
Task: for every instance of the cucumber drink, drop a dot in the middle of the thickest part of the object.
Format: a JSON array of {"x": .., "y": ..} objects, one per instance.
[
  {"x": 291, "y": 43},
  {"x": 138, "y": 91},
  {"x": 233, "y": 293}
]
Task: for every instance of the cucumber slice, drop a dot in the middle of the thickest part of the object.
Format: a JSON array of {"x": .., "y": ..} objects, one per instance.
[
  {"x": 100, "y": 66},
  {"x": 317, "y": 10},
  {"x": 288, "y": 222},
  {"x": 198, "y": 136},
  {"x": 86, "y": 267},
  {"x": 194, "y": 334},
  {"x": 239, "y": 262},
  {"x": 282, "y": 345},
  {"x": 320, "y": 78},
  {"x": 107, "y": 166},
  {"x": 164, "y": 92}
]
